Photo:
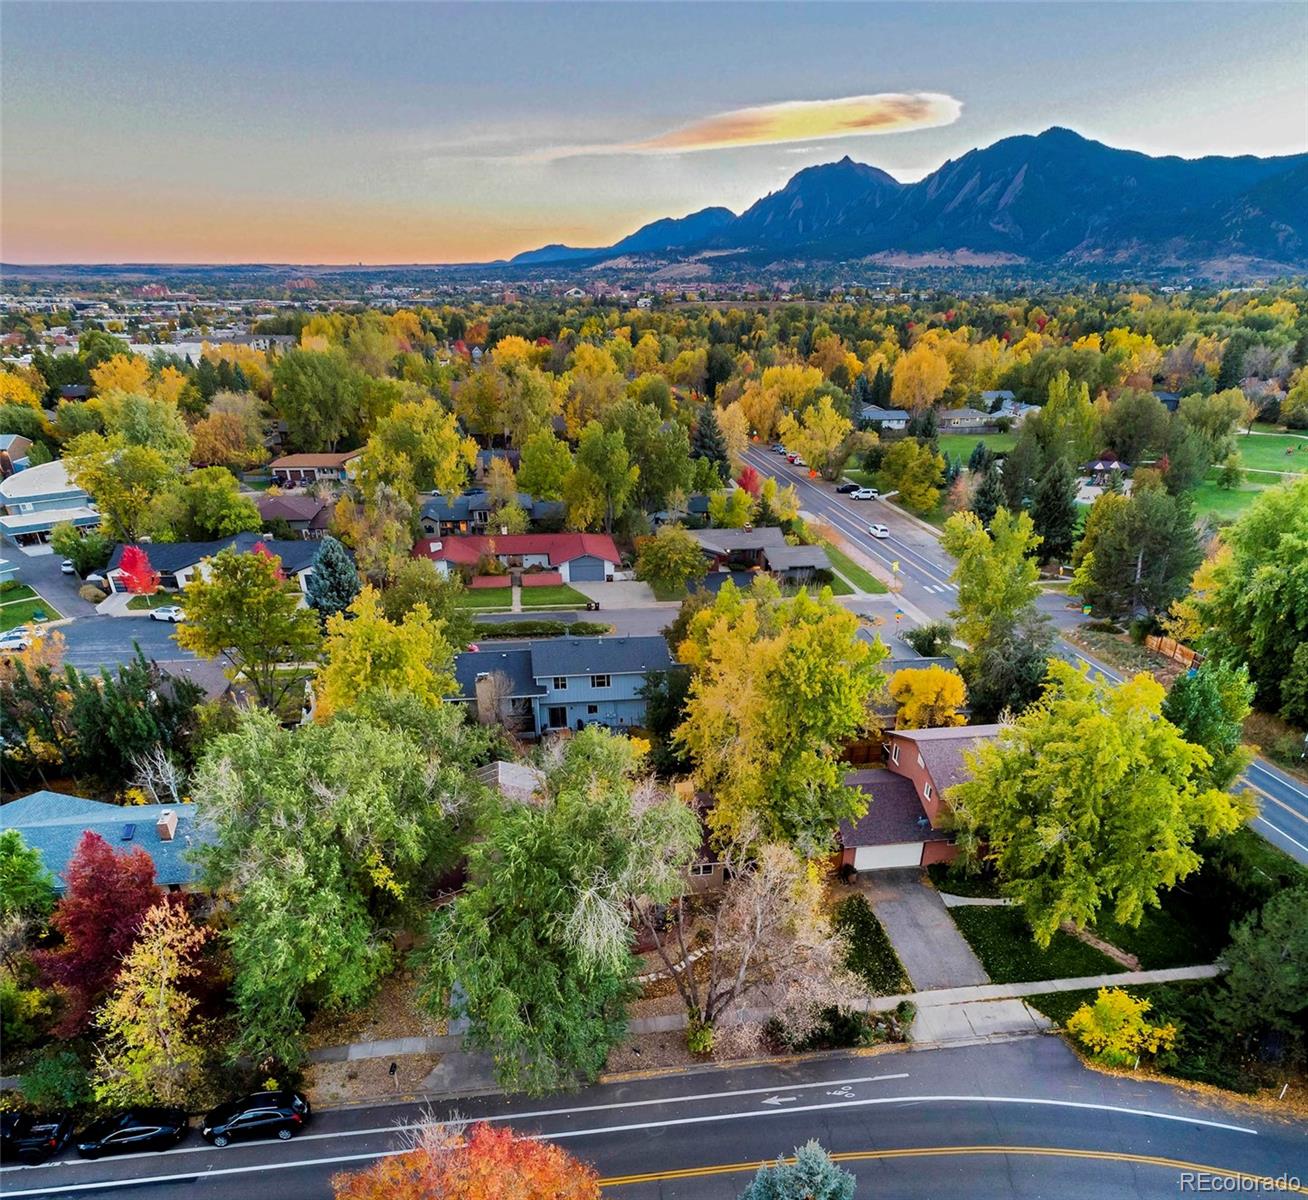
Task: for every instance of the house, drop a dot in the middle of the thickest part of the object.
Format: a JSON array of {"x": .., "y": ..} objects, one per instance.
[
  {"x": 1004, "y": 406},
  {"x": 891, "y": 419},
  {"x": 306, "y": 515},
  {"x": 35, "y": 500},
  {"x": 959, "y": 419},
  {"x": 13, "y": 452},
  {"x": 907, "y": 818},
  {"x": 764, "y": 548},
  {"x": 300, "y": 470},
  {"x": 696, "y": 511},
  {"x": 993, "y": 401},
  {"x": 576, "y": 557},
  {"x": 1169, "y": 400},
  {"x": 444, "y": 516},
  {"x": 534, "y": 687},
  {"x": 53, "y": 823},
  {"x": 178, "y": 562}
]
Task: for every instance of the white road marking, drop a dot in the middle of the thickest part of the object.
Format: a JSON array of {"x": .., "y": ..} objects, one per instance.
[
  {"x": 577, "y": 1133},
  {"x": 781, "y": 1099},
  {"x": 513, "y": 1116},
  {"x": 1284, "y": 782},
  {"x": 1294, "y": 812},
  {"x": 1276, "y": 829}
]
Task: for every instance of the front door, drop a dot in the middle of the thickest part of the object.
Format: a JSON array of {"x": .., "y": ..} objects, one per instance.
[{"x": 558, "y": 717}]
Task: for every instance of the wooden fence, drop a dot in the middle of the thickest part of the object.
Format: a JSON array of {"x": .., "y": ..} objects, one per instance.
[{"x": 1171, "y": 648}]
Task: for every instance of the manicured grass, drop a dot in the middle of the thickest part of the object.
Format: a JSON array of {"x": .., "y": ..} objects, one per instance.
[
  {"x": 663, "y": 592},
  {"x": 1223, "y": 504},
  {"x": 961, "y": 445},
  {"x": 860, "y": 477},
  {"x": 1059, "y": 1006},
  {"x": 870, "y": 955},
  {"x": 487, "y": 598},
  {"x": 862, "y": 579},
  {"x": 1268, "y": 453},
  {"x": 158, "y": 600},
  {"x": 21, "y": 612},
  {"x": 12, "y": 590},
  {"x": 555, "y": 596},
  {"x": 1002, "y": 941}
]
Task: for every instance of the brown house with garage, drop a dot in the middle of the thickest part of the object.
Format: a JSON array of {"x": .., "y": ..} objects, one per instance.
[{"x": 906, "y": 824}]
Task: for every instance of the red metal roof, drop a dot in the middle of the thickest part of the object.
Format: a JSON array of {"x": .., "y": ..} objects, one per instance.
[{"x": 560, "y": 547}]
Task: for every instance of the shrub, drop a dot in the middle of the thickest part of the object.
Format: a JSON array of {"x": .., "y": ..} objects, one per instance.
[
  {"x": 1115, "y": 1031},
  {"x": 931, "y": 641},
  {"x": 699, "y": 1038},
  {"x": 529, "y": 628},
  {"x": 92, "y": 594},
  {"x": 56, "y": 1081},
  {"x": 25, "y": 1013}
]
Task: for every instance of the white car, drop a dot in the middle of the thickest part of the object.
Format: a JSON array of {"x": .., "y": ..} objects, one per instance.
[
  {"x": 865, "y": 494},
  {"x": 18, "y": 639},
  {"x": 67, "y": 567},
  {"x": 172, "y": 612},
  {"x": 878, "y": 531}
]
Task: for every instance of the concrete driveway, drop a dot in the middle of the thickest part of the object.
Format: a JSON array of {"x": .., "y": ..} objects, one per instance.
[{"x": 924, "y": 935}]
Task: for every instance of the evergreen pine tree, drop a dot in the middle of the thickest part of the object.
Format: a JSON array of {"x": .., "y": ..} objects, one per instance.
[
  {"x": 862, "y": 393},
  {"x": 989, "y": 495},
  {"x": 334, "y": 582},
  {"x": 1054, "y": 510},
  {"x": 708, "y": 442},
  {"x": 980, "y": 458},
  {"x": 881, "y": 388}
]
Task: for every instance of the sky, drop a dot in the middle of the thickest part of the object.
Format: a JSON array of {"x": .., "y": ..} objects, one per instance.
[{"x": 380, "y": 132}]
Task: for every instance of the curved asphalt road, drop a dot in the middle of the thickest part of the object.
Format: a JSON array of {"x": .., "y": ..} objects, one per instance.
[
  {"x": 1018, "y": 1119},
  {"x": 927, "y": 592}
]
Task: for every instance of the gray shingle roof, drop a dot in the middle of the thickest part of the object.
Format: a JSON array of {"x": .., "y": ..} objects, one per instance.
[
  {"x": 599, "y": 656},
  {"x": 894, "y": 815},
  {"x": 296, "y": 554},
  {"x": 53, "y": 823},
  {"x": 513, "y": 662}
]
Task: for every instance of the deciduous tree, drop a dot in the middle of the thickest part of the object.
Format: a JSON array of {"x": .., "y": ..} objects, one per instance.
[
  {"x": 1089, "y": 801},
  {"x": 244, "y": 610},
  {"x": 818, "y": 436},
  {"x": 1209, "y": 707},
  {"x": 670, "y": 559},
  {"x": 928, "y": 697},
  {"x": 26, "y": 887},
  {"x": 599, "y": 487},
  {"x": 317, "y": 394},
  {"x": 544, "y": 466},
  {"x": 916, "y": 472}
]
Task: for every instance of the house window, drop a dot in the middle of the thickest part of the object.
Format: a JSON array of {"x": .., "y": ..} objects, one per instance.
[
  {"x": 702, "y": 869},
  {"x": 894, "y": 753},
  {"x": 600, "y": 681},
  {"x": 560, "y": 682},
  {"x": 592, "y": 710},
  {"x": 920, "y": 763},
  {"x": 926, "y": 791}
]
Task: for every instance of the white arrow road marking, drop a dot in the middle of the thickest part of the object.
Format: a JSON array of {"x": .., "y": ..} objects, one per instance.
[
  {"x": 562, "y": 1135},
  {"x": 781, "y": 1099}
]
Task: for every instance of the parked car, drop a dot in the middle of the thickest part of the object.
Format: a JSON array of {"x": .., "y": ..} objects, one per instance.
[
  {"x": 19, "y": 639},
  {"x": 845, "y": 488},
  {"x": 798, "y": 461},
  {"x": 170, "y": 612},
  {"x": 258, "y": 1115},
  {"x": 778, "y": 448},
  {"x": 865, "y": 494},
  {"x": 31, "y": 1138},
  {"x": 133, "y": 1130},
  {"x": 878, "y": 531},
  {"x": 67, "y": 567}
]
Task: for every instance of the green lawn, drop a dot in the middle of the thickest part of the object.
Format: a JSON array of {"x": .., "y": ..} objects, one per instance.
[
  {"x": 870, "y": 955},
  {"x": 862, "y": 579},
  {"x": 12, "y": 590},
  {"x": 1268, "y": 453},
  {"x": 1002, "y": 941},
  {"x": 158, "y": 600},
  {"x": 558, "y": 595},
  {"x": 21, "y": 612},
  {"x": 961, "y": 445},
  {"x": 1170, "y": 936},
  {"x": 1224, "y": 504},
  {"x": 487, "y": 598}
]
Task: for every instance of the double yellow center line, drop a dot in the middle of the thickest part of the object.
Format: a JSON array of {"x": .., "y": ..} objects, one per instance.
[{"x": 1262, "y": 1182}]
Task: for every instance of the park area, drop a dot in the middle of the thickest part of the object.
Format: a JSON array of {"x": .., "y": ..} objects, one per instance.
[{"x": 20, "y": 605}]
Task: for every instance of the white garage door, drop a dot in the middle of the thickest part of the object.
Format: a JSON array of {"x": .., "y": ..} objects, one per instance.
[{"x": 880, "y": 858}]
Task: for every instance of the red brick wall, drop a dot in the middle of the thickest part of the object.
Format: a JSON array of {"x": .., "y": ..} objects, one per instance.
[{"x": 909, "y": 768}]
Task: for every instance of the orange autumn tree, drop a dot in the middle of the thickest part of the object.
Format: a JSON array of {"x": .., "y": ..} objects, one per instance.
[{"x": 483, "y": 1163}]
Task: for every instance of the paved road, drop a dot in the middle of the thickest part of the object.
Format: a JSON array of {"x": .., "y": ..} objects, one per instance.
[
  {"x": 926, "y": 592},
  {"x": 1015, "y": 1119},
  {"x": 92, "y": 642}
]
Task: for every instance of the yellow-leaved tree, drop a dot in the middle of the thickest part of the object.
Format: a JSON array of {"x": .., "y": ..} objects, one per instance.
[
  {"x": 818, "y": 436},
  {"x": 928, "y": 697},
  {"x": 1114, "y": 1028},
  {"x": 368, "y": 656},
  {"x": 921, "y": 377}
]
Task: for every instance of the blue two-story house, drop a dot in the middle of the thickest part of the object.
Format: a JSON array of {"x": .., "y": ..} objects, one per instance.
[{"x": 560, "y": 683}]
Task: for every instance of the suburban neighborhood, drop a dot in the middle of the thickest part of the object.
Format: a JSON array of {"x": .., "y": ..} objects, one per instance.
[{"x": 675, "y": 626}]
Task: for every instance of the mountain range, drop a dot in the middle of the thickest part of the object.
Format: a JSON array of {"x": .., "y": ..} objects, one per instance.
[{"x": 1046, "y": 198}]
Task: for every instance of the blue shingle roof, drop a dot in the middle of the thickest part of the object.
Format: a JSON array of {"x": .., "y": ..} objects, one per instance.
[
  {"x": 53, "y": 823},
  {"x": 599, "y": 656},
  {"x": 296, "y": 554},
  {"x": 514, "y": 662}
]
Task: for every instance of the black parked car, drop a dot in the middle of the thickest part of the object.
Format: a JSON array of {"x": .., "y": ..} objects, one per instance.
[
  {"x": 30, "y": 1138},
  {"x": 133, "y": 1130},
  {"x": 258, "y": 1115},
  {"x": 846, "y": 488}
]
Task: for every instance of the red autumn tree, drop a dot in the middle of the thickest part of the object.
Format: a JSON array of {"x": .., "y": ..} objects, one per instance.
[
  {"x": 750, "y": 481},
  {"x": 139, "y": 576},
  {"x": 485, "y": 1163},
  {"x": 263, "y": 552},
  {"x": 99, "y": 917}
]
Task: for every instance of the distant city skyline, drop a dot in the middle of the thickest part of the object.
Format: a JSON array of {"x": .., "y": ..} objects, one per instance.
[{"x": 394, "y": 133}]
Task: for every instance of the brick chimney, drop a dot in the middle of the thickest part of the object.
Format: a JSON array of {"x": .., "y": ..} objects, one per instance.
[{"x": 166, "y": 825}]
